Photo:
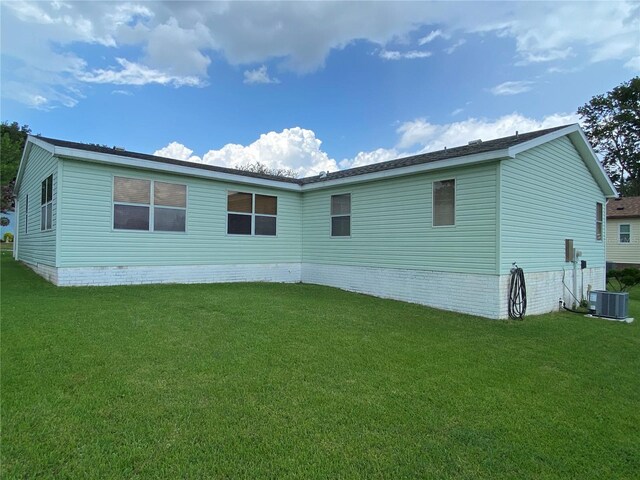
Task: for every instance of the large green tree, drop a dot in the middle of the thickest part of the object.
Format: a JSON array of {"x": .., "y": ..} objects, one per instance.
[
  {"x": 12, "y": 140},
  {"x": 612, "y": 123}
]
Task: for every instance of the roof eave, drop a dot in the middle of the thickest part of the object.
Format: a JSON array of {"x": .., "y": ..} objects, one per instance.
[
  {"x": 410, "y": 170},
  {"x": 31, "y": 140},
  {"x": 122, "y": 160}
]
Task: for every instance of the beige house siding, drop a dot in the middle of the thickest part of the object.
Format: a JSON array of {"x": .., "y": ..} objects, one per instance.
[{"x": 627, "y": 253}]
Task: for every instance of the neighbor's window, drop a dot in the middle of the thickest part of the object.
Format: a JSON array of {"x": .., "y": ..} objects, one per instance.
[
  {"x": 444, "y": 203},
  {"x": 134, "y": 207},
  {"x": 341, "y": 215},
  {"x": 598, "y": 221},
  {"x": 625, "y": 233},
  {"x": 46, "y": 203},
  {"x": 26, "y": 214},
  {"x": 249, "y": 213}
]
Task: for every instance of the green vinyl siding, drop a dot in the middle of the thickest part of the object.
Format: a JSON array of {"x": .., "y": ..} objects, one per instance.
[
  {"x": 547, "y": 196},
  {"x": 391, "y": 224},
  {"x": 34, "y": 245},
  {"x": 89, "y": 239}
]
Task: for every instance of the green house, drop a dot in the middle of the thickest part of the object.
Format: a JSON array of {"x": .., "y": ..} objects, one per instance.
[{"x": 440, "y": 229}]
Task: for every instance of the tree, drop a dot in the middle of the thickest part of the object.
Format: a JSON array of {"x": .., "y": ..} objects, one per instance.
[
  {"x": 12, "y": 140},
  {"x": 612, "y": 124},
  {"x": 263, "y": 169}
]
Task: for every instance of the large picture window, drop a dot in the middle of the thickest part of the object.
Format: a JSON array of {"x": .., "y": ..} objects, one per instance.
[
  {"x": 599, "y": 216},
  {"x": 341, "y": 215},
  {"x": 251, "y": 214},
  {"x": 444, "y": 203},
  {"x": 46, "y": 203},
  {"x": 136, "y": 207}
]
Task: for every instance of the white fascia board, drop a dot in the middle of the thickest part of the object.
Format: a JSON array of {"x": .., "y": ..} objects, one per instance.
[
  {"x": 125, "y": 161},
  {"x": 580, "y": 141},
  {"x": 31, "y": 140},
  {"x": 524, "y": 146},
  {"x": 402, "y": 171}
]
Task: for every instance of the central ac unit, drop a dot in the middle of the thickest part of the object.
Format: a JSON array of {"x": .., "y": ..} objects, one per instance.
[{"x": 609, "y": 304}]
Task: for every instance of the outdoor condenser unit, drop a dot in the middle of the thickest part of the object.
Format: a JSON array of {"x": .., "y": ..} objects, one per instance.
[{"x": 609, "y": 304}]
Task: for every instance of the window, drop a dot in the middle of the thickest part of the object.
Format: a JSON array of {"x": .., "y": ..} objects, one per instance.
[
  {"x": 341, "y": 215},
  {"x": 444, "y": 203},
  {"x": 135, "y": 208},
  {"x": 625, "y": 233},
  {"x": 26, "y": 214},
  {"x": 598, "y": 221},
  {"x": 249, "y": 213},
  {"x": 46, "y": 203}
]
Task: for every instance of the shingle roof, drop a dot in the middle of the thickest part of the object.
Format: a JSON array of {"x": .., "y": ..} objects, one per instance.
[
  {"x": 473, "y": 149},
  {"x": 624, "y": 207}
]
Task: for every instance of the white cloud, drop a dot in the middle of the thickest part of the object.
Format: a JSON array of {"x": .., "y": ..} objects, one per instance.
[
  {"x": 126, "y": 93},
  {"x": 176, "y": 40},
  {"x": 367, "y": 158},
  {"x": 455, "y": 46},
  {"x": 136, "y": 74},
  {"x": 512, "y": 88},
  {"x": 259, "y": 75},
  {"x": 300, "y": 150},
  {"x": 633, "y": 64},
  {"x": 430, "y": 137},
  {"x": 457, "y": 111},
  {"x": 177, "y": 151},
  {"x": 411, "y": 55},
  {"x": 431, "y": 37}
]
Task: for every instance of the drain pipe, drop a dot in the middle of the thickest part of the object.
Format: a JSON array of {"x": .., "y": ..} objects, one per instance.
[{"x": 577, "y": 255}]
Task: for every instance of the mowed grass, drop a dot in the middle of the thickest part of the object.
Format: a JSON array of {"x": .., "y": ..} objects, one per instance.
[{"x": 303, "y": 381}]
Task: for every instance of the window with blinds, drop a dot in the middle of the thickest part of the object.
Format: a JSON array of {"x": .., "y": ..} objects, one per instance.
[
  {"x": 149, "y": 206},
  {"x": 444, "y": 203},
  {"x": 599, "y": 217},
  {"x": 251, "y": 214},
  {"x": 341, "y": 215}
]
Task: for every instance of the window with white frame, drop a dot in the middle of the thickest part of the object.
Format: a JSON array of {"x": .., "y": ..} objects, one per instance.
[
  {"x": 625, "y": 233},
  {"x": 140, "y": 204},
  {"x": 341, "y": 215},
  {"x": 444, "y": 203},
  {"x": 26, "y": 214},
  {"x": 251, "y": 214},
  {"x": 46, "y": 203},
  {"x": 599, "y": 217}
]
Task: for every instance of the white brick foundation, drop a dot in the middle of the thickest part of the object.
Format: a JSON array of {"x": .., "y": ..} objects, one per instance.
[
  {"x": 460, "y": 292},
  {"x": 79, "y": 276},
  {"x": 476, "y": 294},
  {"x": 545, "y": 289}
]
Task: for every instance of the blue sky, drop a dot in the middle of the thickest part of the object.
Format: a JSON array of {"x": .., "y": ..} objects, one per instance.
[{"x": 307, "y": 86}]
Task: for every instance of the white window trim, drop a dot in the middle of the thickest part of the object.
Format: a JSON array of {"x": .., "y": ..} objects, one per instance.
[
  {"x": 601, "y": 222},
  {"x": 252, "y": 215},
  {"x": 151, "y": 205},
  {"x": 455, "y": 202},
  {"x": 45, "y": 205},
  {"x": 26, "y": 214},
  {"x": 331, "y": 217},
  {"x": 620, "y": 233}
]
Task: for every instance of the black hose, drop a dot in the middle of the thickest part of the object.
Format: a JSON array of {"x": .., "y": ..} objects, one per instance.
[{"x": 517, "y": 294}]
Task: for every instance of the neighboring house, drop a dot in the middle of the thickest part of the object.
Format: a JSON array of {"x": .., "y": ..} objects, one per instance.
[
  {"x": 9, "y": 227},
  {"x": 623, "y": 232},
  {"x": 440, "y": 229}
]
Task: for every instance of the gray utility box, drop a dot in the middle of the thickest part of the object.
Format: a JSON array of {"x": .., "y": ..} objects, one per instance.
[{"x": 609, "y": 304}]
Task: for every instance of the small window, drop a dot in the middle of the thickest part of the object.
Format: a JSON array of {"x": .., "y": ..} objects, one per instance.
[
  {"x": 136, "y": 208},
  {"x": 249, "y": 214},
  {"x": 46, "y": 203},
  {"x": 26, "y": 214},
  {"x": 444, "y": 203},
  {"x": 625, "y": 233},
  {"x": 341, "y": 215},
  {"x": 598, "y": 221}
]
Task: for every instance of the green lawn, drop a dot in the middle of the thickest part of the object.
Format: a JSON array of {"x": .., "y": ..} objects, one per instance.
[{"x": 302, "y": 381}]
